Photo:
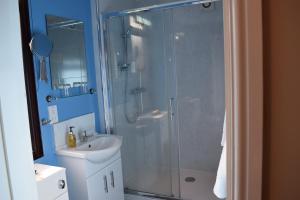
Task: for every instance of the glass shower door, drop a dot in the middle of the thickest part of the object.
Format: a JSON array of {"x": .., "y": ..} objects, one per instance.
[{"x": 140, "y": 77}]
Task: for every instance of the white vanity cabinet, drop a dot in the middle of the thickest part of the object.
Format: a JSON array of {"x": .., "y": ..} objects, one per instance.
[
  {"x": 107, "y": 184},
  {"x": 94, "y": 169},
  {"x": 94, "y": 181}
]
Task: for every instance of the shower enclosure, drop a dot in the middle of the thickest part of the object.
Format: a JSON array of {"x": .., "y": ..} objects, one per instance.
[{"x": 164, "y": 78}]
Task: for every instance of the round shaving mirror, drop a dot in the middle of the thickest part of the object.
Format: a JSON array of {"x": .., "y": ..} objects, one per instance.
[{"x": 41, "y": 46}]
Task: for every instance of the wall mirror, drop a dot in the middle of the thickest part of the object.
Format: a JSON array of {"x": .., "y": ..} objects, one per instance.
[{"x": 68, "y": 59}]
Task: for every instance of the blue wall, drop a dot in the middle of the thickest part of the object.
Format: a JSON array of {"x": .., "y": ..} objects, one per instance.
[{"x": 72, "y": 106}]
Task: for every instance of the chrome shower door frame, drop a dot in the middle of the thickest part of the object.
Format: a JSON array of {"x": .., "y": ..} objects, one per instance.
[{"x": 109, "y": 120}]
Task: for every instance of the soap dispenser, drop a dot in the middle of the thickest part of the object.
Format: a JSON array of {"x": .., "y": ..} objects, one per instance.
[{"x": 71, "y": 138}]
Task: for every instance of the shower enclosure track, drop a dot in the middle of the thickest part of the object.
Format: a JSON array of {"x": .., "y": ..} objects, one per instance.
[{"x": 150, "y": 195}]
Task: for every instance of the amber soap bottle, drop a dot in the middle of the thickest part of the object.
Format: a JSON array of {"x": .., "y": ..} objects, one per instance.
[{"x": 71, "y": 138}]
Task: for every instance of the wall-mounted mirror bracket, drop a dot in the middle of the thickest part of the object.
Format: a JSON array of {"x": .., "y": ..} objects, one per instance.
[
  {"x": 92, "y": 91},
  {"x": 50, "y": 98}
]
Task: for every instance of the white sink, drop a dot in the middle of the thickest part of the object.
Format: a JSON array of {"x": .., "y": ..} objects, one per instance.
[{"x": 97, "y": 149}]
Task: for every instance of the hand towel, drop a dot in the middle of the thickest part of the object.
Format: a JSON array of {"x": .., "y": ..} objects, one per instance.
[{"x": 220, "y": 188}]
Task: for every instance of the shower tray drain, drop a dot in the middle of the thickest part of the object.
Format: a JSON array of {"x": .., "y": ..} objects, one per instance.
[{"x": 190, "y": 179}]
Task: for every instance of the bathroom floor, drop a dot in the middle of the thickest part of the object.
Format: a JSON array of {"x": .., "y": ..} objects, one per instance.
[{"x": 200, "y": 189}]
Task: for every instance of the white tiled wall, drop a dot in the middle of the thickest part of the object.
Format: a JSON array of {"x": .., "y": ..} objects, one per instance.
[{"x": 81, "y": 123}]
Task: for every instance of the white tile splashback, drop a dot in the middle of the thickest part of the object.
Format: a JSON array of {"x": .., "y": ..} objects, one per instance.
[{"x": 81, "y": 123}]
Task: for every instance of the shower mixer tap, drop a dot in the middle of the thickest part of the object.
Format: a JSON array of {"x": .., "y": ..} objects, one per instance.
[
  {"x": 138, "y": 90},
  {"x": 126, "y": 34},
  {"x": 124, "y": 67}
]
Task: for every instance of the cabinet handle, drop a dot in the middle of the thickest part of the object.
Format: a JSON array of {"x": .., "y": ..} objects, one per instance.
[
  {"x": 112, "y": 179},
  {"x": 105, "y": 184},
  {"x": 61, "y": 184}
]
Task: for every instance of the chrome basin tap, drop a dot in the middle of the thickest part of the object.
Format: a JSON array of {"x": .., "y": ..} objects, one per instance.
[{"x": 84, "y": 137}]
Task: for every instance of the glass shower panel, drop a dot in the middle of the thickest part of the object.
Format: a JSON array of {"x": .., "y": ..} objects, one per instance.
[
  {"x": 199, "y": 58},
  {"x": 141, "y": 97},
  {"x": 198, "y": 50}
]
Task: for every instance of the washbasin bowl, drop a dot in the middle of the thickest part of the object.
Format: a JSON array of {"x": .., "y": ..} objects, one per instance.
[{"x": 97, "y": 149}]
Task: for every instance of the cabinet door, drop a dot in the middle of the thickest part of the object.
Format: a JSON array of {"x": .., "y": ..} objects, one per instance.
[
  {"x": 97, "y": 186},
  {"x": 115, "y": 181}
]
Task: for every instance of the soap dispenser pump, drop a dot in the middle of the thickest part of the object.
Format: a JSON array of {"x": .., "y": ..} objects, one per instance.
[{"x": 71, "y": 138}]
